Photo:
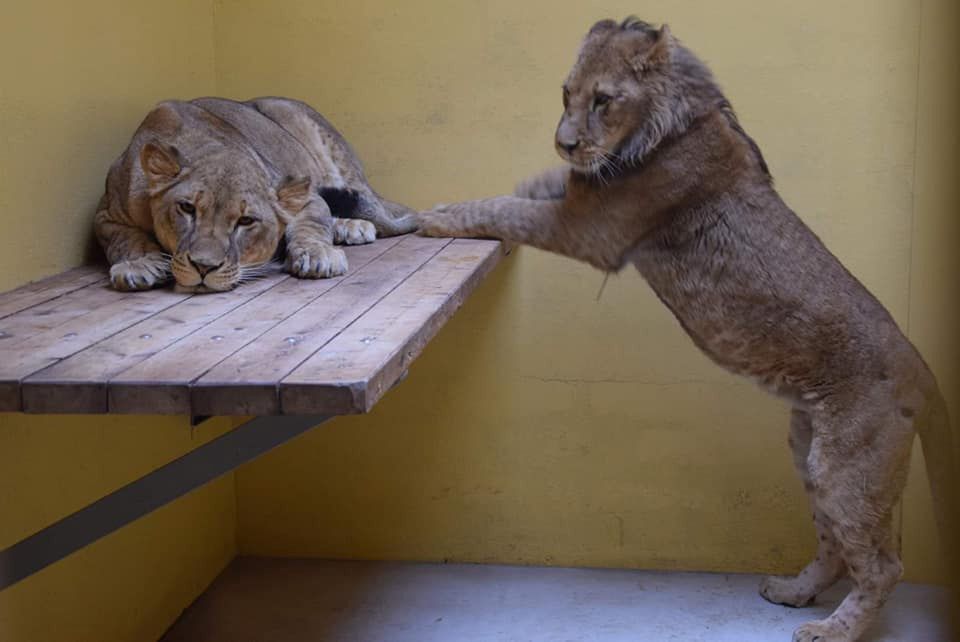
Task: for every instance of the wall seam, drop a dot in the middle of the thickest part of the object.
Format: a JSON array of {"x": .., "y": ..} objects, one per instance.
[
  {"x": 213, "y": 47},
  {"x": 913, "y": 177},
  {"x": 913, "y": 218}
]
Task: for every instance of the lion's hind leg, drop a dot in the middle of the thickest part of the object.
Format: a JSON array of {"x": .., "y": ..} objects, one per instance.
[
  {"x": 828, "y": 567},
  {"x": 858, "y": 464}
]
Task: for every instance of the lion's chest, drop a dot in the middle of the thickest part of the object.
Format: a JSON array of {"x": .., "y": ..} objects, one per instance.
[{"x": 733, "y": 319}]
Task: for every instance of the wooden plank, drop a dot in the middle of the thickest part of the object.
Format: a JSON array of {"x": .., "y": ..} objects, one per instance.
[
  {"x": 78, "y": 384},
  {"x": 51, "y": 287},
  {"x": 17, "y": 328},
  {"x": 247, "y": 382},
  {"x": 161, "y": 383},
  {"x": 87, "y": 373},
  {"x": 46, "y": 348},
  {"x": 356, "y": 368}
]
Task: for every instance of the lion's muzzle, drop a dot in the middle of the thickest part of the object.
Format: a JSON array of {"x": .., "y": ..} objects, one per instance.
[{"x": 201, "y": 274}]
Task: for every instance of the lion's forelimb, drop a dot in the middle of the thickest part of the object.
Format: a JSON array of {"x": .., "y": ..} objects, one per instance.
[
  {"x": 551, "y": 225},
  {"x": 548, "y": 185}
]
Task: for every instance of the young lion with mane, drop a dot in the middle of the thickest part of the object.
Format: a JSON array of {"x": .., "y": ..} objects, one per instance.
[{"x": 661, "y": 175}]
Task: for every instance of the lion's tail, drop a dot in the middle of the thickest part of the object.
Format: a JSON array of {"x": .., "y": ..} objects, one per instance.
[
  {"x": 940, "y": 454},
  {"x": 402, "y": 219},
  {"x": 390, "y": 219}
]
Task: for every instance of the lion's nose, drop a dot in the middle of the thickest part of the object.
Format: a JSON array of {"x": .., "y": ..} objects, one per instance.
[
  {"x": 569, "y": 146},
  {"x": 203, "y": 267}
]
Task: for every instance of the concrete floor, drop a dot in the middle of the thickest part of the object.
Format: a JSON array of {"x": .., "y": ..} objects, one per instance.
[{"x": 274, "y": 600}]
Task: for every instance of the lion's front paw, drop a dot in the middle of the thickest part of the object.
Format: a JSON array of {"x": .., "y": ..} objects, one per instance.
[
  {"x": 353, "y": 231},
  {"x": 789, "y": 591},
  {"x": 435, "y": 222},
  {"x": 316, "y": 261},
  {"x": 454, "y": 219},
  {"x": 140, "y": 274},
  {"x": 821, "y": 631},
  {"x": 469, "y": 219}
]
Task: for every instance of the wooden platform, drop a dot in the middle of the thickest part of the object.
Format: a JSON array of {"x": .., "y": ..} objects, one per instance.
[{"x": 275, "y": 346}]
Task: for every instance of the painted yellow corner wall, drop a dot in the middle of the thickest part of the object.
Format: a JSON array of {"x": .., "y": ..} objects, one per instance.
[
  {"x": 542, "y": 425},
  {"x": 935, "y": 263},
  {"x": 128, "y": 586},
  {"x": 76, "y": 80}
]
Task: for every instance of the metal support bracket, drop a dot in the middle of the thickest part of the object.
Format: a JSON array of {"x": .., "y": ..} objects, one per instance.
[{"x": 145, "y": 495}]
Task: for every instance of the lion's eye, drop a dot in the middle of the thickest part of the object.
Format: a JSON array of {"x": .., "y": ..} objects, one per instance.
[
  {"x": 246, "y": 220},
  {"x": 599, "y": 100},
  {"x": 187, "y": 208}
]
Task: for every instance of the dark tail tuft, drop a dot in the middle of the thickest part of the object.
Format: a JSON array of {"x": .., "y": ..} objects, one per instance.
[{"x": 343, "y": 202}]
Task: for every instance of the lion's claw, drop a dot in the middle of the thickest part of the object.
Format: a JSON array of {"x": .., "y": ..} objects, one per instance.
[
  {"x": 318, "y": 261},
  {"x": 140, "y": 274}
]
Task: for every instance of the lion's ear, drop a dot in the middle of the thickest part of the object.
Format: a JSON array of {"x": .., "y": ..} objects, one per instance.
[
  {"x": 657, "y": 53},
  {"x": 294, "y": 193},
  {"x": 160, "y": 163}
]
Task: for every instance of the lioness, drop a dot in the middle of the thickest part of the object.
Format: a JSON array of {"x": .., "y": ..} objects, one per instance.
[
  {"x": 660, "y": 174},
  {"x": 209, "y": 190}
]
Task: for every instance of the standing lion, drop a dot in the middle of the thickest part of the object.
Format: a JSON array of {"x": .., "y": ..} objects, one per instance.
[{"x": 661, "y": 175}]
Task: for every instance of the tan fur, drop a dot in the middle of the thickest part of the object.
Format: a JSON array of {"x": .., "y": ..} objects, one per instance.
[
  {"x": 661, "y": 175},
  {"x": 210, "y": 190}
]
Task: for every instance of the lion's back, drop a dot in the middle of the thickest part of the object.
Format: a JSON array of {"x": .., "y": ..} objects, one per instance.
[
  {"x": 337, "y": 163},
  {"x": 265, "y": 138}
]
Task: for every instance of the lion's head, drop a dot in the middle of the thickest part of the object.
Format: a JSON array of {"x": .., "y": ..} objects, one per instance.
[
  {"x": 623, "y": 95},
  {"x": 218, "y": 216}
]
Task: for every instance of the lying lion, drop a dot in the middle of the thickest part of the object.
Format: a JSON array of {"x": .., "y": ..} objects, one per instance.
[{"x": 211, "y": 189}]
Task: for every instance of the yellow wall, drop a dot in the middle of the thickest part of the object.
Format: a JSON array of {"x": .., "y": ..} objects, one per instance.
[
  {"x": 935, "y": 261},
  {"x": 543, "y": 426},
  {"x": 77, "y": 79},
  {"x": 128, "y": 586}
]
